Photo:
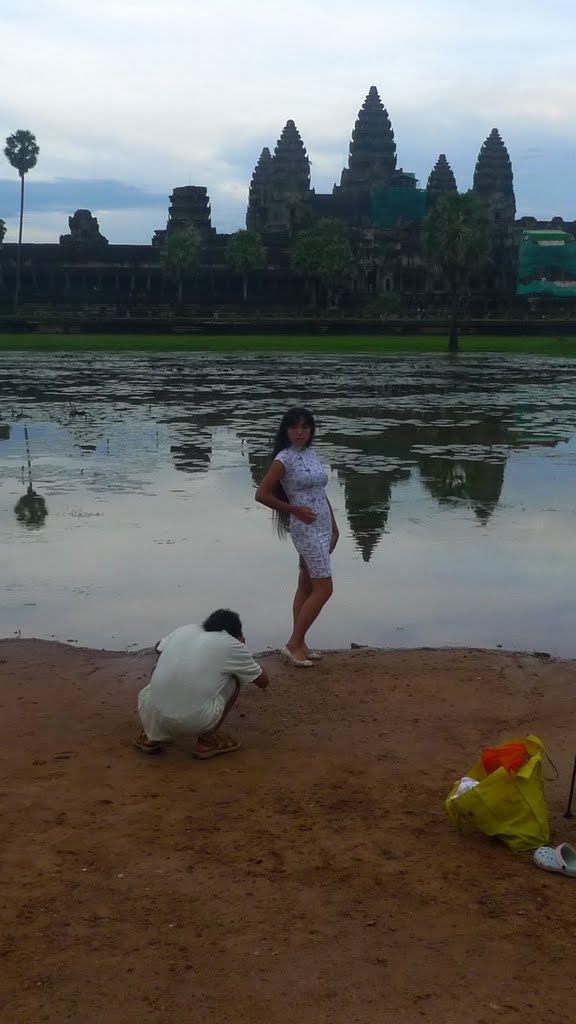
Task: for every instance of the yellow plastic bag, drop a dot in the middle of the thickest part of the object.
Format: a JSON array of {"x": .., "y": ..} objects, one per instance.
[{"x": 508, "y": 806}]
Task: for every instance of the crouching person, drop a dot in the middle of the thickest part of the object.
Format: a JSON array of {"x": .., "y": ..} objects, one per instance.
[{"x": 194, "y": 685}]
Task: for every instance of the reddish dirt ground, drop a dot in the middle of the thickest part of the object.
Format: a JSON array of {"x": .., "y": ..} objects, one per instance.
[{"x": 311, "y": 877}]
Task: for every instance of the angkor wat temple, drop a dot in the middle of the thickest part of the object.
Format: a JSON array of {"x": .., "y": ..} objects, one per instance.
[{"x": 381, "y": 203}]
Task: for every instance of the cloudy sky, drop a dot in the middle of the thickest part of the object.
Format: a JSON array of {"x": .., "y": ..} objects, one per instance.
[{"x": 130, "y": 98}]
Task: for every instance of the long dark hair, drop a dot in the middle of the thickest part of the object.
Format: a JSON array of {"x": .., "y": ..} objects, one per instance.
[{"x": 297, "y": 414}]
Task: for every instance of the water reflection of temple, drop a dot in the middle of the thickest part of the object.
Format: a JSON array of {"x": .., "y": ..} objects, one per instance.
[
  {"x": 258, "y": 464},
  {"x": 367, "y": 498},
  {"x": 191, "y": 457},
  {"x": 476, "y": 482},
  {"x": 470, "y": 469},
  {"x": 446, "y": 427},
  {"x": 191, "y": 434}
]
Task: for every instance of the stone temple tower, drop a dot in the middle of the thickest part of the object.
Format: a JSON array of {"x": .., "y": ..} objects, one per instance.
[
  {"x": 441, "y": 180},
  {"x": 372, "y": 159},
  {"x": 494, "y": 181},
  {"x": 289, "y": 183},
  {"x": 280, "y": 194},
  {"x": 190, "y": 206},
  {"x": 259, "y": 195}
]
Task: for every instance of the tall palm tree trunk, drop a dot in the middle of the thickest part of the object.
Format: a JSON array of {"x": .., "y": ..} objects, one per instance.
[{"x": 19, "y": 249}]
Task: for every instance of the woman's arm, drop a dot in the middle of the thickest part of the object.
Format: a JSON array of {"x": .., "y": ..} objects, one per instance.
[
  {"x": 265, "y": 492},
  {"x": 265, "y": 495}
]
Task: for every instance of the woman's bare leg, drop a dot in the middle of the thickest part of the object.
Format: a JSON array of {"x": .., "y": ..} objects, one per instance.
[
  {"x": 309, "y": 611},
  {"x": 303, "y": 592}
]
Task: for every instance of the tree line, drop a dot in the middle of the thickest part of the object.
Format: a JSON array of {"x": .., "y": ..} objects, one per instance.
[{"x": 455, "y": 241}]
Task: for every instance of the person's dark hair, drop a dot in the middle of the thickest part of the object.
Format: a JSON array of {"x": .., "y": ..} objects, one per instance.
[
  {"x": 224, "y": 621},
  {"x": 297, "y": 414}
]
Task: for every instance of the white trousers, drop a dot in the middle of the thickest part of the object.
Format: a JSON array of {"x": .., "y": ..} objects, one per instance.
[{"x": 162, "y": 728}]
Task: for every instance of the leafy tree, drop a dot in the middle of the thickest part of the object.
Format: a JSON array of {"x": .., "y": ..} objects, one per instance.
[
  {"x": 456, "y": 240},
  {"x": 245, "y": 252},
  {"x": 180, "y": 255},
  {"x": 21, "y": 151},
  {"x": 323, "y": 252},
  {"x": 385, "y": 304}
]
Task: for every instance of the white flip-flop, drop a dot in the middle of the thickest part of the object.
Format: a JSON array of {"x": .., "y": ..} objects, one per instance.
[{"x": 560, "y": 859}]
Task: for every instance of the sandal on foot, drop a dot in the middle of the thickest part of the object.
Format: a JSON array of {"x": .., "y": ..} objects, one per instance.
[
  {"x": 148, "y": 746},
  {"x": 314, "y": 655},
  {"x": 560, "y": 859},
  {"x": 215, "y": 744},
  {"x": 289, "y": 657}
]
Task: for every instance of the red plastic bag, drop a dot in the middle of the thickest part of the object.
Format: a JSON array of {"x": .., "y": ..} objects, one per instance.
[{"x": 510, "y": 756}]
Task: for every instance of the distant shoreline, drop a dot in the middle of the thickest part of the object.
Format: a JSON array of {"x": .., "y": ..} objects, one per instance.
[{"x": 29, "y": 643}]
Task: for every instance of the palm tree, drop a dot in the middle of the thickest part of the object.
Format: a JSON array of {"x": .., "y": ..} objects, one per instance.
[
  {"x": 21, "y": 151},
  {"x": 456, "y": 241}
]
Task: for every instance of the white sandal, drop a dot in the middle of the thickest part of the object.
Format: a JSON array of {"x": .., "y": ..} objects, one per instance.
[{"x": 289, "y": 657}]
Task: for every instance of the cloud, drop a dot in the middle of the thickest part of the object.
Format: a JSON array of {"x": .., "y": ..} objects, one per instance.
[{"x": 69, "y": 194}]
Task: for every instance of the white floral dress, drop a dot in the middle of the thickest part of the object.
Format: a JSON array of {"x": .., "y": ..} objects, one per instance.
[{"x": 304, "y": 481}]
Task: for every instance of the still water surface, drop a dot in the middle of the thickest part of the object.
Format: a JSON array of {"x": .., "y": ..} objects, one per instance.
[{"x": 452, "y": 481}]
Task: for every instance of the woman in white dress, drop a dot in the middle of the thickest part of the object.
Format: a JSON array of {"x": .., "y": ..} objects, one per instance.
[{"x": 294, "y": 488}]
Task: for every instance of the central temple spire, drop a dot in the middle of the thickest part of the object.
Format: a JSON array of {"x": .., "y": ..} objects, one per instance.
[
  {"x": 494, "y": 180},
  {"x": 372, "y": 160}
]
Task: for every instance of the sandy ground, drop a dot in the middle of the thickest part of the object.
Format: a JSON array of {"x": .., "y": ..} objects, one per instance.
[{"x": 312, "y": 877}]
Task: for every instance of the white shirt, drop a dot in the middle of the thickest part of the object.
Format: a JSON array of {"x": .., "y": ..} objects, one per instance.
[{"x": 194, "y": 667}]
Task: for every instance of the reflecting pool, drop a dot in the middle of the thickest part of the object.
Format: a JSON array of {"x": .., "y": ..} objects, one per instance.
[{"x": 127, "y": 496}]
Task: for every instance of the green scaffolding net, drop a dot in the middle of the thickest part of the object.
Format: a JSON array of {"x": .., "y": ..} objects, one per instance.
[
  {"x": 390, "y": 206},
  {"x": 547, "y": 264}
]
